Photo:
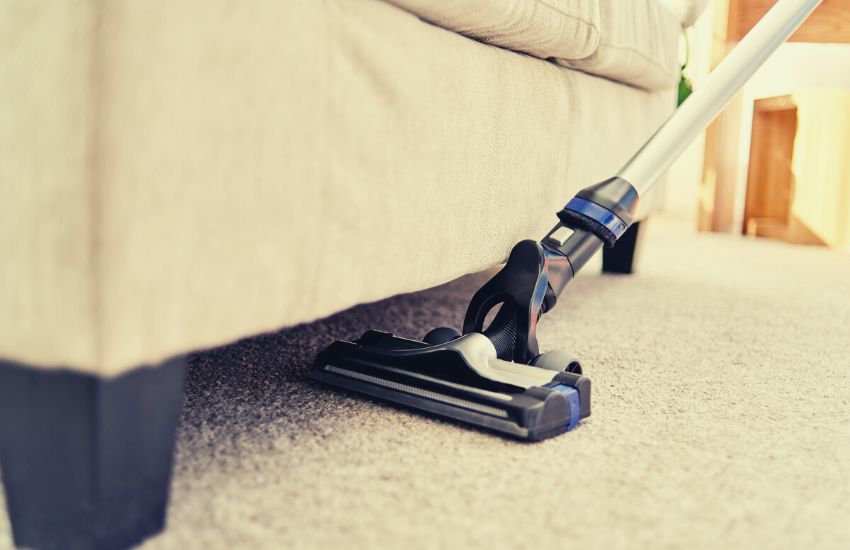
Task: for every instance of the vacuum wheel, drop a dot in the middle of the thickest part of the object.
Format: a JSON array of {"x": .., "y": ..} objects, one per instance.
[
  {"x": 441, "y": 335},
  {"x": 558, "y": 360}
]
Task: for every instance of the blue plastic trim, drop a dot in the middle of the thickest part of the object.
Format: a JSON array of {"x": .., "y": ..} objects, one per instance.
[
  {"x": 572, "y": 397},
  {"x": 597, "y": 213}
]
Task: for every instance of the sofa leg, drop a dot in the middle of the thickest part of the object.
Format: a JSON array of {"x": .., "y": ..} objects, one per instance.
[
  {"x": 86, "y": 461},
  {"x": 623, "y": 256}
]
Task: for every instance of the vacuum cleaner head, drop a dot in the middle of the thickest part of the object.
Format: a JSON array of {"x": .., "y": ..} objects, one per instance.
[
  {"x": 461, "y": 379},
  {"x": 492, "y": 377}
]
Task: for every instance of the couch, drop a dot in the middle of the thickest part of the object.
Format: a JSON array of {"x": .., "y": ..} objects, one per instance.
[{"x": 178, "y": 175}]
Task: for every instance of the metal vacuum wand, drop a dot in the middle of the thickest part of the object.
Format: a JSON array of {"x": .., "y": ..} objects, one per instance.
[
  {"x": 657, "y": 154},
  {"x": 606, "y": 209},
  {"x": 537, "y": 273}
]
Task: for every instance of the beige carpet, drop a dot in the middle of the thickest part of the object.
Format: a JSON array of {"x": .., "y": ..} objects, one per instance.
[{"x": 721, "y": 419}]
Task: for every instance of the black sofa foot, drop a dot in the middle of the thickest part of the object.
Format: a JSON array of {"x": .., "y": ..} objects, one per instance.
[
  {"x": 623, "y": 256},
  {"x": 86, "y": 461}
]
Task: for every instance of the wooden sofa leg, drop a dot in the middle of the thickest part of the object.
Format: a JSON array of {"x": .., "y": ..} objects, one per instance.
[
  {"x": 86, "y": 460},
  {"x": 623, "y": 256}
]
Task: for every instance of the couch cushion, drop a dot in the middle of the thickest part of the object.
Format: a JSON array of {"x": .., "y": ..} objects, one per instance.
[
  {"x": 546, "y": 29},
  {"x": 638, "y": 45},
  {"x": 686, "y": 11},
  {"x": 255, "y": 165},
  {"x": 634, "y": 42}
]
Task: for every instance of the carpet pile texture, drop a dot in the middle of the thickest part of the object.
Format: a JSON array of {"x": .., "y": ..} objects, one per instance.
[{"x": 721, "y": 419}]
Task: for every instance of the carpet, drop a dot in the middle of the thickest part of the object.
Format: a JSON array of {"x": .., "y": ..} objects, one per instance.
[{"x": 721, "y": 418}]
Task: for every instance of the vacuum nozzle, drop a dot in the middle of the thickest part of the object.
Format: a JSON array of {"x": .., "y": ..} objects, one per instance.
[{"x": 462, "y": 379}]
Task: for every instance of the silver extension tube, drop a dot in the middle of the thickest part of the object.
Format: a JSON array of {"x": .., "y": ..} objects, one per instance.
[{"x": 668, "y": 142}]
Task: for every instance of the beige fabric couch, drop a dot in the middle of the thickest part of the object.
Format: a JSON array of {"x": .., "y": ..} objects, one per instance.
[
  {"x": 177, "y": 178},
  {"x": 177, "y": 175}
]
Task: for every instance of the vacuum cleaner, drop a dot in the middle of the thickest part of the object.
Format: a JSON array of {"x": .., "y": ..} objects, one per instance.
[{"x": 491, "y": 374}]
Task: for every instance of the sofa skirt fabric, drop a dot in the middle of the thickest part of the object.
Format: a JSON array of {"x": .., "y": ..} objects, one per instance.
[{"x": 179, "y": 178}]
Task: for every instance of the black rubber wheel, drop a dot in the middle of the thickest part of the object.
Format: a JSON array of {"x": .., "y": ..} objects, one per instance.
[
  {"x": 441, "y": 335},
  {"x": 558, "y": 360}
]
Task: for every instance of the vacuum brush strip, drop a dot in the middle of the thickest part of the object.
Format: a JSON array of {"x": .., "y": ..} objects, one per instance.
[{"x": 419, "y": 392}]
